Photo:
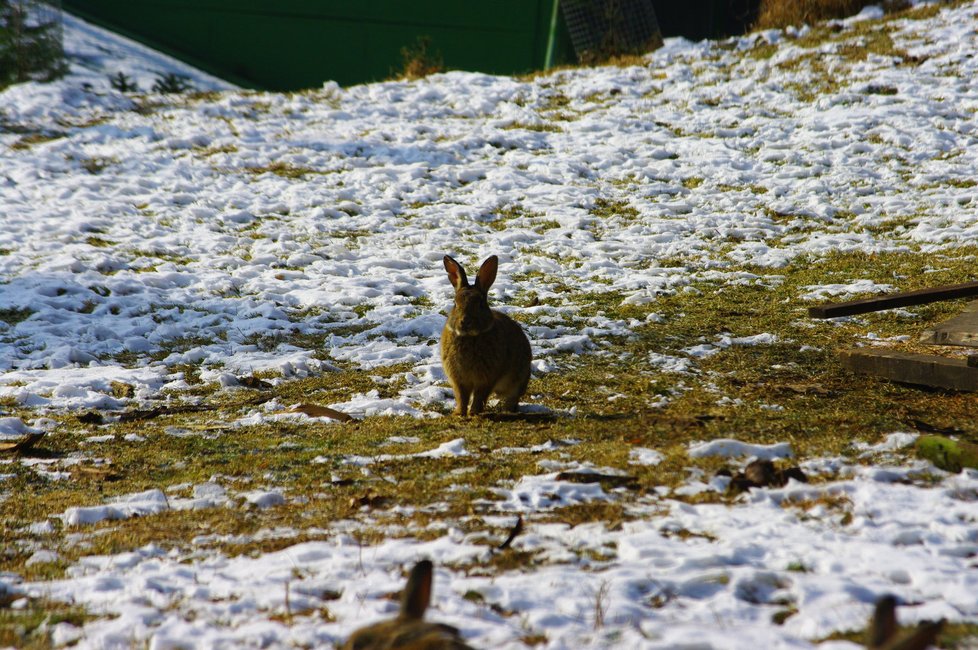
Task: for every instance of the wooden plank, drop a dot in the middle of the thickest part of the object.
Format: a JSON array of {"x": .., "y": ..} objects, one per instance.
[
  {"x": 960, "y": 330},
  {"x": 909, "y": 368},
  {"x": 893, "y": 300}
]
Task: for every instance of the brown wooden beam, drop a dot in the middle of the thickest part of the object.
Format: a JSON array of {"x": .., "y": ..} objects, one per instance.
[
  {"x": 960, "y": 330},
  {"x": 893, "y": 300},
  {"x": 909, "y": 368}
]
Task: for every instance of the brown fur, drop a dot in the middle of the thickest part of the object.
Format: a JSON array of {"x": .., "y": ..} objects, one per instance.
[
  {"x": 884, "y": 630},
  {"x": 482, "y": 350},
  {"x": 408, "y": 631}
]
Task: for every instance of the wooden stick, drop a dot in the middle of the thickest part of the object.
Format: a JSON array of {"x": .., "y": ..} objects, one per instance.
[{"x": 903, "y": 299}]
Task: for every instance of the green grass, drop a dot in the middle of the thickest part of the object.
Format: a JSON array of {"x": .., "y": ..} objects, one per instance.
[
  {"x": 611, "y": 391},
  {"x": 14, "y": 315},
  {"x": 825, "y": 409},
  {"x": 30, "y": 627},
  {"x": 608, "y": 208},
  {"x": 545, "y": 127},
  {"x": 99, "y": 242},
  {"x": 957, "y": 635},
  {"x": 285, "y": 170},
  {"x": 29, "y": 140}
]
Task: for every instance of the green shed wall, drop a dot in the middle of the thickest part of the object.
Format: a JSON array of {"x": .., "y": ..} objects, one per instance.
[{"x": 295, "y": 44}]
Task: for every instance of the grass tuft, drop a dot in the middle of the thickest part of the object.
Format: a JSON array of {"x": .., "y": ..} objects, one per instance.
[
  {"x": 420, "y": 60},
  {"x": 14, "y": 315}
]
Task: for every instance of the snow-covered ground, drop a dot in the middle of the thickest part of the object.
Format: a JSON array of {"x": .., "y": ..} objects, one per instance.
[
  {"x": 141, "y": 233},
  {"x": 704, "y": 576}
]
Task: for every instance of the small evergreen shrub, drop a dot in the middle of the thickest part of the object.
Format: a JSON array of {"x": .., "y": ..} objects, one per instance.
[
  {"x": 123, "y": 83},
  {"x": 172, "y": 83}
]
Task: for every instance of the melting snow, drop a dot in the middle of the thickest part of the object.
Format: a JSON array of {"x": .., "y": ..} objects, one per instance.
[{"x": 180, "y": 235}]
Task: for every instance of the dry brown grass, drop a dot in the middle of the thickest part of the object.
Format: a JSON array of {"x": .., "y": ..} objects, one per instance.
[
  {"x": 419, "y": 60},
  {"x": 776, "y": 14}
]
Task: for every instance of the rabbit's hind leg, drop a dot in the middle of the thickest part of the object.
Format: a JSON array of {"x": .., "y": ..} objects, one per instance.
[
  {"x": 511, "y": 404},
  {"x": 510, "y": 393},
  {"x": 462, "y": 394}
]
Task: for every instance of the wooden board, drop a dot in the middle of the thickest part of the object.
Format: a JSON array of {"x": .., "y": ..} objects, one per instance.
[
  {"x": 922, "y": 369},
  {"x": 893, "y": 300},
  {"x": 960, "y": 330}
]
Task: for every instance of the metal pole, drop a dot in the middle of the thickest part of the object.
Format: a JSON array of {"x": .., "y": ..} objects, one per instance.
[{"x": 548, "y": 60}]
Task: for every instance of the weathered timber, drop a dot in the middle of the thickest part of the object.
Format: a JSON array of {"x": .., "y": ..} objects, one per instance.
[
  {"x": 893, "y": 300},
  {"x": 960, "y": 330},
  {"x": 909, "y": 368}
]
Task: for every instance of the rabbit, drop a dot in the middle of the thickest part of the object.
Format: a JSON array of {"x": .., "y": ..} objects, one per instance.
[
  {"x": 883, "y": 630},
  {"x": 482, "y": 350},
  {"x": 408, "y": 631}
]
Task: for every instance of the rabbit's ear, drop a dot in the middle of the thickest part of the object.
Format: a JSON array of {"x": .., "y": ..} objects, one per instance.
[
  {"x": 456, "y": 274},
  {"x": 487, "y": 274},
  {"x": 417, "y": 592},
  {"x": 883, "y": 627}
]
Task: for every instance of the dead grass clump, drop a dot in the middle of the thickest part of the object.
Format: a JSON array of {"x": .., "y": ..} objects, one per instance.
[
  {"x": 778, "y": 14},
  {"x": 419, "y": 60}
]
